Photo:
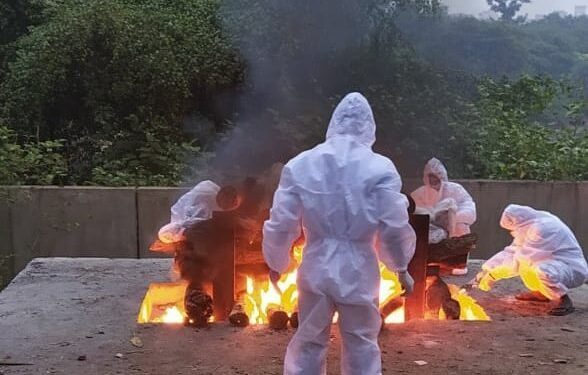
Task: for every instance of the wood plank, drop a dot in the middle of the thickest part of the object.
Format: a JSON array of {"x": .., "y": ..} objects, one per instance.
[{"x": 415, "y": 303}]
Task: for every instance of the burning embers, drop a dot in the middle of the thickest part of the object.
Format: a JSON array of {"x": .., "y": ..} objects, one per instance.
[{"x": 262, "y": 303}]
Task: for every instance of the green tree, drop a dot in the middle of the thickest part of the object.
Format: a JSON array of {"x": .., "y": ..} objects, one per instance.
[
  {"x": 115, "y": 79},
  {"x": 502, "y": 137},
  {"x": 508, "y": 9}
]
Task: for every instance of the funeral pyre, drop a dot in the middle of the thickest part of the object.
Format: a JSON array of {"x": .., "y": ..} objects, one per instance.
[{"x": 223, "y": 276}]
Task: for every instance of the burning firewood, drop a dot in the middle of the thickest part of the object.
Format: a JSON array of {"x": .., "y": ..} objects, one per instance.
[
  {"x": 278, "y": 319},
  {"x": 294, "y": 320},
  {"x": 198, "y": 306},
  {"x": 452, "y": 247},
  {"x": 389, "y": 307},
  {"x": 238, "y": 317},
  {"x": 438, "y": 297}
]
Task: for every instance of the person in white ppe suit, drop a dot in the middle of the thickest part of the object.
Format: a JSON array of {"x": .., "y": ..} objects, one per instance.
[
  {"x": 438, "y": 194},
  {"x": 344, "y": 196},
  {"x": 544, "y": 254},
  {"x": 196, "y": 206}
]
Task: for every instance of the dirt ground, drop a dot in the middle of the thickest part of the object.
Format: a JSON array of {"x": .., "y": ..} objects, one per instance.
[{"x": 77, "y": 316}]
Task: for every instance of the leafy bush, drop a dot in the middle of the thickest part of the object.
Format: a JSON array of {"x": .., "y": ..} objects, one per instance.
[
  {"x": 30, "y": 163},
  {"x": 502, "y": 138},
  {"x": 114, "y": 79}
]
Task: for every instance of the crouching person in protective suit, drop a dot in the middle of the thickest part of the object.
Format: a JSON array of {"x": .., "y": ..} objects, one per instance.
[{"x": 544, "y": 254}]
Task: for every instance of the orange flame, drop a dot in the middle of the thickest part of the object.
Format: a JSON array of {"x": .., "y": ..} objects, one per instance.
[
  {"x": 164, "y": 302},
  {"x": 261, "y": 294}
]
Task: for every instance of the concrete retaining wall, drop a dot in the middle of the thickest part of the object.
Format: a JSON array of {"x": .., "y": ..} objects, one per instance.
[{"x": 122, "y": 222}]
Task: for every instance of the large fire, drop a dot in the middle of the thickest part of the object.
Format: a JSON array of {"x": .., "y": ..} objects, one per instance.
[
  {"x": 163, "y": 302},
  {"x": 262, "y": 296}
]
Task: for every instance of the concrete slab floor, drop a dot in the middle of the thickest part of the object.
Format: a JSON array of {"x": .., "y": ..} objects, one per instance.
[{"x": 77, "y": 316}]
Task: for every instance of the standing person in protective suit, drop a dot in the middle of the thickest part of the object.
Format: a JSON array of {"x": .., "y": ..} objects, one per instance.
[
  {"x": 439, "y": 193},
  {"x": 344, "y": 196},
  {"x": 544, "y": 254}
]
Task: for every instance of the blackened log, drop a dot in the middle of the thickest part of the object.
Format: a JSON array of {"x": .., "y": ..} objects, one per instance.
[
  {"x": 278, "y": 319},
  {"x": 452, "y": 248},
  {"x": 238, "y": 317},
  {"x": 198, "y": 306},
  {"x": 391, "y": 306},
  {"x": 294, "y": 320},
  {"x": 415, "y": 302},
  {"x": 438, "y": 297}
]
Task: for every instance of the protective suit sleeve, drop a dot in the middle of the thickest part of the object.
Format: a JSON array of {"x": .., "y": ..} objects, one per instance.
[
  {"x": 503, "y": 265},
  {"x": 284, "y": 224},
  {"x": 418, "y": 197},
  {"x": 397, "y": 239},
  {"x": 466, "y": 207}
]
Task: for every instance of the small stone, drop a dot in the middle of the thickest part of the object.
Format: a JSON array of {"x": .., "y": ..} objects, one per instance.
[
  {"x": 568, "y": 329},
  {"x": 136, "y": 341},
  {"x": 421, "y": 363},
  {"x": 119, "y": 355},
  {"x": 526, "y": 355},
  {"x": 82, "y": 358},
  {"x": 560, "y": 360}
]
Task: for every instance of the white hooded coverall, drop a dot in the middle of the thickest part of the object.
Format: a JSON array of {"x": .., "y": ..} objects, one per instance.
[
  {"x": 427, "y": 197},
  {"x": 343, "y": 195},
  {"x": 544, "y": 253},
  {"x": 196, "y": 205}
]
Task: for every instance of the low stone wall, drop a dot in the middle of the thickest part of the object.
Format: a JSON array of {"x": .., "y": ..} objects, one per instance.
[{"x": 122, "y": 222}]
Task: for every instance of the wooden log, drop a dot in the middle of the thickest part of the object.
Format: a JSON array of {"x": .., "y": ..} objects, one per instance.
[
  {"x": 223, "y": 285},
  {"x": 198, "y": 306},
  {"x": 294, "y": 320},
  {"x": 388, "y": 308},
  {"x": 238, "y": 317},
  {"x": 452, "y": 248},
  {"x": 391, "y": 306},
  {"x": 277, "y": 319},
  {"x": 415, "y": 302},
  {"x": 438, "y": 296}
]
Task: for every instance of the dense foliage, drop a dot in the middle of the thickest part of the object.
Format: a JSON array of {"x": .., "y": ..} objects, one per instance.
[
  {"x": 113, "y": 79},
  {"x": 504, "y": 138},
  {"x": 146, "y": 92}
]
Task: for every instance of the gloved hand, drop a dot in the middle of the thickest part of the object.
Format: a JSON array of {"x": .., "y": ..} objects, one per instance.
[
  {"x": 274, "y": 276},
  {"x": 406, "y": 281},
  {"x": 485, "y": 281}
]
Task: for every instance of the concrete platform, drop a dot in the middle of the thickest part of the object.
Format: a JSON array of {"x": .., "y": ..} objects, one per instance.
[{"x": 78, "y": 316}]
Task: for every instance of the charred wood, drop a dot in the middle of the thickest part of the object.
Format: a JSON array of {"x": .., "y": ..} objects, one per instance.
[
  {"x": 238, "y": 317},
  {"x": 294, "y": 320},
  {"x": 438, "y": 297},
  {"x": 277, "y": 319},
  {"x": 452, "y": 247},
  {"x": 198, "y": 306}
]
